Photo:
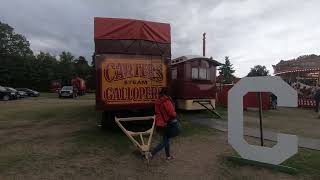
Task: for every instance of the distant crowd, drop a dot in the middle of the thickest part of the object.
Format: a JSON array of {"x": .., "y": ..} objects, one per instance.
[{"x": 304, "y": 90}]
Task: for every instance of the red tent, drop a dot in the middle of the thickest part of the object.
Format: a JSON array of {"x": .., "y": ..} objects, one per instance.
[{"x": 128, "y": 36}]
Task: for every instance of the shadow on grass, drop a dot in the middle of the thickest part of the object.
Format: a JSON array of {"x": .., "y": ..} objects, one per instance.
[
  {"x": 56, "y": 113},
  {"x": 96, "y": 138},
  {"x": 192, "y": 129},
  {"x": 48, "y": 95},
  {"x": 197, "y": 114},
  {"x": 13, "y": 160},
  {"x": 9, "y": 162},
  {"x": 117, "y": 141}
]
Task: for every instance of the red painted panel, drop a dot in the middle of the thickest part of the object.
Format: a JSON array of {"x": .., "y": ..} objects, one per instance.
[
  {"x": 249, "y": 100},
  {"x": 193, "y": 90}
]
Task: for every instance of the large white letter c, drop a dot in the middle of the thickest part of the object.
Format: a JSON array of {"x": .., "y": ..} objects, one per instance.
[{"x": 287, "y": 144}]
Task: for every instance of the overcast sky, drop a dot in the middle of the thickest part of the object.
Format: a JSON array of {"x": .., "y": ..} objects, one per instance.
[{"x": 250, "y": 32}]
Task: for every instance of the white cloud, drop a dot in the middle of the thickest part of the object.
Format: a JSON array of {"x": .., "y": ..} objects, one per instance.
[{"x": 250, "y": 32}]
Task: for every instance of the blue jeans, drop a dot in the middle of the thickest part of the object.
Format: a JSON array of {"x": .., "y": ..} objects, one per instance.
[{"x": 165, "y": 143}]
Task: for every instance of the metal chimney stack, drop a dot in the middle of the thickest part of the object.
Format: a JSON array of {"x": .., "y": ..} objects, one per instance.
[{"x": 204, "y": 45}]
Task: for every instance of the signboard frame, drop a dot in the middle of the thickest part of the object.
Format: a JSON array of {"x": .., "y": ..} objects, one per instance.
[{"x": 101, "y": 104}]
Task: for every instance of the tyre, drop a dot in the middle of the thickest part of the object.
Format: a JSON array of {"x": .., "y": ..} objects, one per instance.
[{"x": 6, "y": 97}]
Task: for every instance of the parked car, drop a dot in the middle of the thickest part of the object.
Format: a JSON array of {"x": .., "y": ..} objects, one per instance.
[
  {"x": 68, "y": 91},
  {"x": 13, "y": 91},
  {"x": 29, "y": 92},
  {"x": 6, "y": 95},
  {"x": 22, "y": 94}
]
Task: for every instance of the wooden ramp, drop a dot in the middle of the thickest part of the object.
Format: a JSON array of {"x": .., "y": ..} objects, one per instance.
[{"x": 142, "y": 140}]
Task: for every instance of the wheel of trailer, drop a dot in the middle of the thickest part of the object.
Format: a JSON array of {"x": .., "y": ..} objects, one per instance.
[{"x": 5, "y": 98}]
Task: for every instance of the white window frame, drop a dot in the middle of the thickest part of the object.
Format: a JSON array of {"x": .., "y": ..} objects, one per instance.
[
  {"x": 202, "y": 73},
  {"x": 195, "y": 73}
]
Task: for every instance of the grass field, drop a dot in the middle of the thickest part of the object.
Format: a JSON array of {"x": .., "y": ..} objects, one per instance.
[
  {"x": 52, "y": 138},
  {"x": 299, "y": 121},
  {"x": 303, "y": 122}
]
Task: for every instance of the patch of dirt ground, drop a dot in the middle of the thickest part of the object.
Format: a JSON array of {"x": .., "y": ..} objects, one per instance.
[{"x": 54, "y": 156}]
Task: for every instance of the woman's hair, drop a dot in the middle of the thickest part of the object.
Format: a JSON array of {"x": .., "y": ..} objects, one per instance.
[{"x": 163, "y": 91}]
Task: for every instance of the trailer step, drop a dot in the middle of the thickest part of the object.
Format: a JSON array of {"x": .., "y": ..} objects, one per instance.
[{"x": 141, "y": 139}]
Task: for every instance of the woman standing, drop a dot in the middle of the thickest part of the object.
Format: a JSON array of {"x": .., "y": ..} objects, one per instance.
[{"x": 166, "y": 122}]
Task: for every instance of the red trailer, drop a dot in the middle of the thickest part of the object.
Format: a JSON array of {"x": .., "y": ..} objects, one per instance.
[
  {"x": 131, "y": 58},
  {"x": 80, "y": 84},
  {"x": 193, "y": 82},
  {"x": 55, "y": 86}
]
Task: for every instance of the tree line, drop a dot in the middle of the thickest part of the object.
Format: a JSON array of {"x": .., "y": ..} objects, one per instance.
[
  {"x": 20, "y": 67},
  {"x": 226, "y": 71}
]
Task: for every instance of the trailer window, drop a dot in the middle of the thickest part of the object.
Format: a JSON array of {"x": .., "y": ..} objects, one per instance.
[
  {"x": 201, "y": 73},
  {"x": 174, "y": 73},
  {"x": 195, "y": 73}
]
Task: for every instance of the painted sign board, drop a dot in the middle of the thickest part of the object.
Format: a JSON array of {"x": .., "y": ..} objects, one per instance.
[
  {"x": 133, "y": 80},
  {"x": 286, "y": 146}
]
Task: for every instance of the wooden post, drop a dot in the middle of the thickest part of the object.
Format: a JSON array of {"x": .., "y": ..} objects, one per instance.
[{"x": 260, "y": 117}]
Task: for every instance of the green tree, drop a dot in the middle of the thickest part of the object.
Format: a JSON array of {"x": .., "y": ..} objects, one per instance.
[
  {"x": 20, "y": 68},
  {"x": 66, "y": 67},
  {"x": 258, "y": 70},
  {"x": 82, "y": 68},
  {"x": 15, "y": 55},
  {"x": 226, "y": 71},
  {"x": 66, "y": 57},
  {"x": 48, "y": 66},
  {"x": 13, "y": 71},
  {"x": 13, "y": 44}
]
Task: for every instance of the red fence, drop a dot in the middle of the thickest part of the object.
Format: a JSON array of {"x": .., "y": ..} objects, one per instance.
[
  {"x": 249, "y": 100},
  {"x": 306, "y": 102}
]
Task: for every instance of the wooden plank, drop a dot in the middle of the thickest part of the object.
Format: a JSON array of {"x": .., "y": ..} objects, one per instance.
[
  {"x": 136, "y": 118},
  {"x": 144, "y": 148}
]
